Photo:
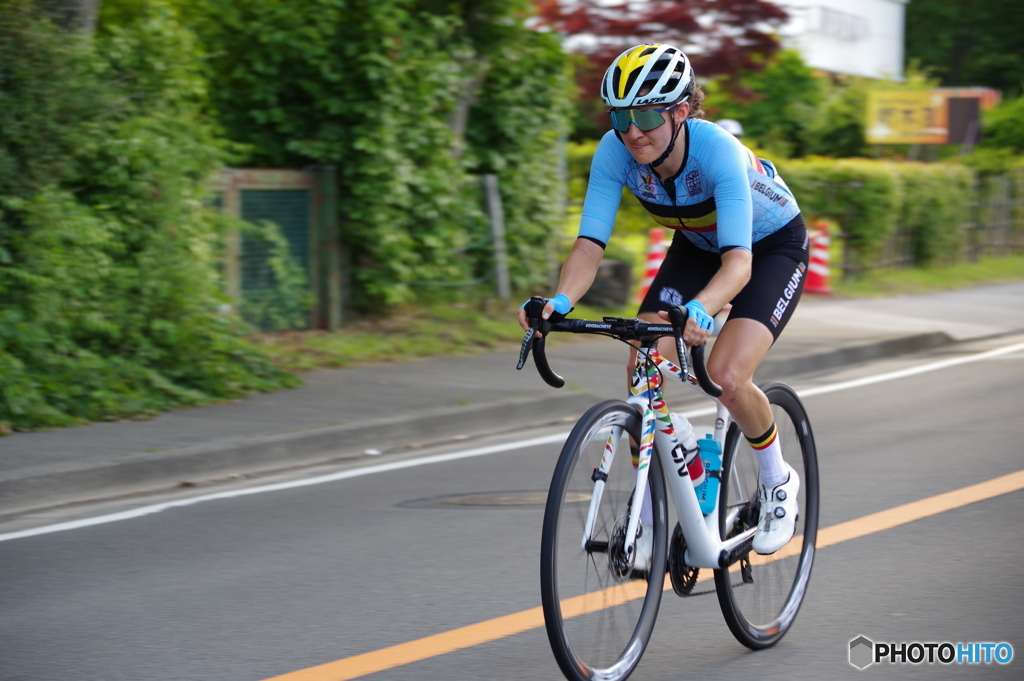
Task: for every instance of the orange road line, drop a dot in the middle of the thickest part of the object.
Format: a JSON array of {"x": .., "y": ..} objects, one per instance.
[
  {"x": 516, "y": 623},
  {"x": 916, "y": 510}
]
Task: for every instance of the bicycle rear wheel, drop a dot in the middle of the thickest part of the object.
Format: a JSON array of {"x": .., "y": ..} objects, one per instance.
[
  {"x": 761, "y": 595},
  {"x": 598, "y": 615}
]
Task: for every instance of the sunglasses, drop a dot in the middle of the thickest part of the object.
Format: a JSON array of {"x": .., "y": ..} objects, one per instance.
[{"x": 645, "y": 119}]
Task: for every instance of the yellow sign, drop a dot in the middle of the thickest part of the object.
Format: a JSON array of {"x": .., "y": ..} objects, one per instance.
[{"x": 907, "y": 117}]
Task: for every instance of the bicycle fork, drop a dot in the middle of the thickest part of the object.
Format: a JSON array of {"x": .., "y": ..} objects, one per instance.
[{"x": 642, "y": 468}]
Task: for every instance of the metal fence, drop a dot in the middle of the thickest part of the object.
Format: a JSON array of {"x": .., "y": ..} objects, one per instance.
[
  {"x": 997, "y": 218},
  {"x": 995, "y": 228}
]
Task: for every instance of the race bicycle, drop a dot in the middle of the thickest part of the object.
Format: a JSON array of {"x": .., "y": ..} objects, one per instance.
[{"x": 599, "y": 606}]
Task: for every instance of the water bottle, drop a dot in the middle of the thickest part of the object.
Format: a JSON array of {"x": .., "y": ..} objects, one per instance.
[
  {"x": 687, "y": 455},
  {"x": 711, "y": 453}
]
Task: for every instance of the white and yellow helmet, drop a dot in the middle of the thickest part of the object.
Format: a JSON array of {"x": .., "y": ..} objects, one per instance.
[{"x": 664, "y": 71}]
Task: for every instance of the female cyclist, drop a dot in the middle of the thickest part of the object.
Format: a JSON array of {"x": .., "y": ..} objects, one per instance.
[{"x": 740, "y": 239}]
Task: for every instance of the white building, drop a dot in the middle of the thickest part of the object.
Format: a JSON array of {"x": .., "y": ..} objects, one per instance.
[{"x": 857, "y": 37}]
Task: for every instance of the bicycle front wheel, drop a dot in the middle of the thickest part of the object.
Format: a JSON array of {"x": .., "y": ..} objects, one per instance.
[
  {"x": 760, "y": 595},
  {"x": 598, "y": 610}
]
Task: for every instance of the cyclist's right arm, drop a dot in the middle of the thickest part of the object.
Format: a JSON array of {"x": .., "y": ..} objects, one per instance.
[
  {"x": 578, "y": 274},
  {"x": 604, "y": 192}
]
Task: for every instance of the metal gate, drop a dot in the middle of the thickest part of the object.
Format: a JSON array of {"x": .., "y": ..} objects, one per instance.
[{"x": 303, "y": 204}]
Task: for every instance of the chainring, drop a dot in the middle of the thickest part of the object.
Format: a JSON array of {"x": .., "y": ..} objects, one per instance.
[
  {"x": 619, "y": 563},
  {"x": 684, "y": 577}
]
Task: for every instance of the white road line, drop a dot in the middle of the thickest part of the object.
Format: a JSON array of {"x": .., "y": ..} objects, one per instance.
[
  {"x": 331, "y": 477},
  {"x": 469, "y": 453},
  {"x": 913, "y": 371}
]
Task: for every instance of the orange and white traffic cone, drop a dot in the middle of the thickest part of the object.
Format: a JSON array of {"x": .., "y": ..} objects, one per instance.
[
  {"x": 817, "y": 269},
  {"x": 655, "y": 256}
]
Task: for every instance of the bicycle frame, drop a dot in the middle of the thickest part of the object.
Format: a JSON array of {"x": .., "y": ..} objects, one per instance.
[{"x": 705, "y": 547}]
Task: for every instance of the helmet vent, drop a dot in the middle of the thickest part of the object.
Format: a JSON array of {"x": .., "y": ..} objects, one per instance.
[
  {"x": 670, "y": 85},
  {"x": 630, "y": 80}
]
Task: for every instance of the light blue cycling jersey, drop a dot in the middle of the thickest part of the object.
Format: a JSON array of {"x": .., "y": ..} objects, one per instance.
[{"x": 724, "y": 196}]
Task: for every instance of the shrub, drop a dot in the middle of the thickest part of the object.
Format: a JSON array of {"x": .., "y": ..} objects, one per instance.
[
  {"x": 517, "y": 129},
  {"x": 108, "y": 289},
  {"x": 871, "y": 198},
  {"x": 281, "y": 299}
]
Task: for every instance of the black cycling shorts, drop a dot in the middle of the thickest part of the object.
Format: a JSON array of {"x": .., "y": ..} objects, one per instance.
[{"x": 776, "y": 280}]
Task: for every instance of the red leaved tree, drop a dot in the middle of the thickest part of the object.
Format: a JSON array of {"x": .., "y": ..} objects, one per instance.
[{"x": 721, "y": 37}]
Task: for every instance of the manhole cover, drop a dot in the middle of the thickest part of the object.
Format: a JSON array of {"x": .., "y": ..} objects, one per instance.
[{"x": 509, "y": 499}]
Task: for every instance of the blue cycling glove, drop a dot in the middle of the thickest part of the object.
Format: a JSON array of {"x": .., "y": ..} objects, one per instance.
[
  {"x": 700, "y": 315},
  {"x": 560, "y": 303}
]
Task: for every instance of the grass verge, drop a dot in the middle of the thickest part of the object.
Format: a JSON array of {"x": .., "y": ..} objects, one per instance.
[
  {"x": 895, "y": 282},
  {"x": 438, "y": 330},
  {"x": 431, "y": 331}
]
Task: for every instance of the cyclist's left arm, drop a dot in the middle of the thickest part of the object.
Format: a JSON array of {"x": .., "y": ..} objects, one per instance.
[
  {"x": 727, "y": 168},
  {"x": 730, "y": 279}
]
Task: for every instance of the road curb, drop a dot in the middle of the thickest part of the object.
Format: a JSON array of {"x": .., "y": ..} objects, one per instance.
[
  {"x": 780, "y": 369},
  {"x": 46, "y": 486},
  {"x": 61, "y": 483}
]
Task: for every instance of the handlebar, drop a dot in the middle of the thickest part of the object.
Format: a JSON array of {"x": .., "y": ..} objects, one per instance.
[
  {"x": 534, "y": 308},
  {"x": 617, "y": 327}
]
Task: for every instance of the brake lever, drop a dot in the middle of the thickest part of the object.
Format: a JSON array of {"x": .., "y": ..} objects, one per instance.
[
  {"x": 534, "y": 309},
  {"x": 678, "y": 316},
  {"x": 524, "y": 352}
]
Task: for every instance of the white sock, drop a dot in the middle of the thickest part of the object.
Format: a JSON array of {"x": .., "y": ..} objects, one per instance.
[{"x": 771, "y": 466}]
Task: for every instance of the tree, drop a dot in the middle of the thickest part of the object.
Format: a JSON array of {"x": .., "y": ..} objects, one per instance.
[
  {"x": 838, "y": 128},
  {"x": 393, "y": 92},
  {"x": 786, "y": 97},
  {"x": 722, "y": 38},
  {"x": 1004, "y": 126},
  {"x": 72, "y": 15},
  {"x": 969, "y": 42}
]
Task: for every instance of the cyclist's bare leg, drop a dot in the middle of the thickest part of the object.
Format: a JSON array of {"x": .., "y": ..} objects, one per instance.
[{"x": 741, "y": 346}]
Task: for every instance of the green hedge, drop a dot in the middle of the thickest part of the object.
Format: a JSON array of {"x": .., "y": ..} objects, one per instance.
[
  {"x": 517, "y": 129},
  {"x": 864, "y": 197},
  {"x": 936, "y": 206},
  {"x": 1000, "y": 207},
  {"x": 871, "y": 199}
]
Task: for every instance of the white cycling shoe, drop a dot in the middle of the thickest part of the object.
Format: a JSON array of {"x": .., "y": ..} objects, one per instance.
[
  {"x": 644, "y": 548},
  {"x": 779, "y": 512}
]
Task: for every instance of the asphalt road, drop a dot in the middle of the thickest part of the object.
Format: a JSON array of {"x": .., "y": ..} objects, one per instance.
[{"x": 253, "y": 586}]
